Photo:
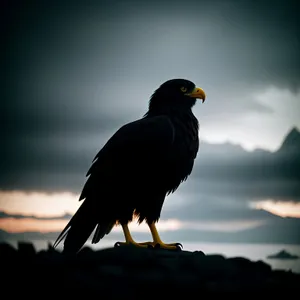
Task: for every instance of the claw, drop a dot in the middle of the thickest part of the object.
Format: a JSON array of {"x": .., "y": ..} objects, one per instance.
[
  {"x": 151, "y": 245},
  {"x": 117, "y": 244},
  {"x": 172, "y": 247},
  {"x": 132, "y": 244},
  {"x": 179, "y": 245}
]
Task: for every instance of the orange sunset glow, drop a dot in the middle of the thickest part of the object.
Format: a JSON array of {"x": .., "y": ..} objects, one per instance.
[
  {"x": 13, "y": 225},
  {"x": 38, "y": 204},
  {"x": 280, "y": 208},
  {"x": 42, "y": 205}
]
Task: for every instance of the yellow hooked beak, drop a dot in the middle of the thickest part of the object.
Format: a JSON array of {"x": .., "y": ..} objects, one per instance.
[{"x": 197, "y": 93}]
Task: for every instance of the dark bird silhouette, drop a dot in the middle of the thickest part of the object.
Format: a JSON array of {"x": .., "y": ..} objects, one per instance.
[{"x": 137, "y": 168}]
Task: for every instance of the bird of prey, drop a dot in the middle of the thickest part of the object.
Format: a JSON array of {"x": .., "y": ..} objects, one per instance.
[{"x": 143, "y": 162}]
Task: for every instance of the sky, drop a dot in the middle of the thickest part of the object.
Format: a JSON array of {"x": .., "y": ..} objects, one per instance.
[{"x": 74, "y": 72}]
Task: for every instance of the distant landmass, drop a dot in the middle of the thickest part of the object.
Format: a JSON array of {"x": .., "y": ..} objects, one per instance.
[
  {"x": 283, "y": 254},
  {"x": 219, "y": 161}
]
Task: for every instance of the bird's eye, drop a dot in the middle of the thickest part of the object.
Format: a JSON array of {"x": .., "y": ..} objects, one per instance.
[{"x": 183, "y": 89}]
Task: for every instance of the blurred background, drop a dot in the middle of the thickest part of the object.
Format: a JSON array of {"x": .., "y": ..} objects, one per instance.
[{"x": 74, "y": 72}]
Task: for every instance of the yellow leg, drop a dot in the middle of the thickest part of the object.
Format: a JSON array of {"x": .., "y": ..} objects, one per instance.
[
  {"x": 129, "y": 240},
  {"x": 158, "y": 243},
  {"x": 157, "y": 240}
]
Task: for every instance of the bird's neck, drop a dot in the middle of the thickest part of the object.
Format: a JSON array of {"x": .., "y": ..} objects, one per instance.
[
  {"x": 178, "y": 110},
  {"x": 161, "y": 104},
  {"x": 170, "y": 111}
]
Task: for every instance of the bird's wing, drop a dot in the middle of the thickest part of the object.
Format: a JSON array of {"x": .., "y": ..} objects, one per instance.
[
  {"x": 132, "y": 150},
  {"x": 134, "y": 144}
]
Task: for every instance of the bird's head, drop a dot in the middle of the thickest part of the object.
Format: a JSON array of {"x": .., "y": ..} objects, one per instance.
[
  {"x": 176, "y": 92},
  {"x": 181, "y": 88}
]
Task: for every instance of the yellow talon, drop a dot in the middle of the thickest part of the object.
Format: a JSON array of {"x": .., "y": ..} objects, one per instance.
[
  {"x": 157, "y": 242},
  {"x": 135, "y": 244},
  {"x": 161, "y": 245}
]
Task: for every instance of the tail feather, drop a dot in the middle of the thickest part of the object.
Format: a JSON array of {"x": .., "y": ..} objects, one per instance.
[
  {"x": 78, "y": 229},
  {"x": 78, "y": 234},
  {"x": 101, "y": 231},
  {"x": 62, "y": 235},
  {"x": 81, "y": 226}
]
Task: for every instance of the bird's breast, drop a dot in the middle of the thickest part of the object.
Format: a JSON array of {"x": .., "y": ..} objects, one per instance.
[
  {"x": 184, "y": 151},
  {"x": 186, "y": 139}
]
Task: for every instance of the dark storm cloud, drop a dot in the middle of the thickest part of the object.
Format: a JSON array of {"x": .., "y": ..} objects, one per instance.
[
  {"x": 75, "y": 73},
  {"x": 229, "y": 171},
  {"x": 219, "y": 204},
  {"x": 261, "y": 37}
]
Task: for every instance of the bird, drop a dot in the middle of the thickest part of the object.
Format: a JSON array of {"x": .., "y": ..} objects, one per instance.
[{"x": 143, "y": 162}]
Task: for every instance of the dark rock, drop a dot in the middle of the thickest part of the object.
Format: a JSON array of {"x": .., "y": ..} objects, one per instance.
[
  {"x": 127, "y": 272},
  {"x": 26, "y": 249},
  {"x": 7, "y": 251}
]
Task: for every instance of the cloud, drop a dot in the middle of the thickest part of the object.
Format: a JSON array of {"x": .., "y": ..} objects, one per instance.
[
  {"x": 274, "y": 230},
  {"x": 220, "y": 170},
  {"x": 72, "y": 80},
  {"x": 254, "y": 117},
  {"x": 279, "y": 208},
  {"x": 211, "y": 207},
  {"x": 39, "y": 205},
  {"x": 4, "y": 215}
]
